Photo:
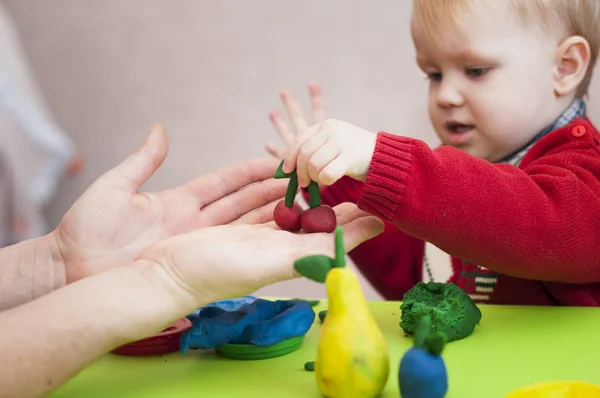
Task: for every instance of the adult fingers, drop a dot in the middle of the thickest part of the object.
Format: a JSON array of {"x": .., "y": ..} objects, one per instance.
[
  {"x": 218, "y": 184},
  {"x": 143, "y": 163},
  {"x": 236, "y": 205}
]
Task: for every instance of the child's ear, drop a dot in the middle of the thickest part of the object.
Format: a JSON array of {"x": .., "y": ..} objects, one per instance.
[{"x": 572, "y": 62}]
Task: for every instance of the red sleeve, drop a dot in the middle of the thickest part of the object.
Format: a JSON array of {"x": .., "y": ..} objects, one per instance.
[
  {"x": 391, "y": 261},
  {"x": 540, "y": 221},
  {"x": 346, "y": 189}
]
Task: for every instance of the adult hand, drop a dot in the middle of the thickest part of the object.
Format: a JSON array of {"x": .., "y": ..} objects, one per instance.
[
  {"x": 172, "y": 278},
  {"x": 113, "y": 222},
  {"x": 229, "y": 261}
]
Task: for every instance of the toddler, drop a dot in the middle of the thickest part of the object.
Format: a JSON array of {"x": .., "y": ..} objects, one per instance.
[{"x": 511, "y": 199}]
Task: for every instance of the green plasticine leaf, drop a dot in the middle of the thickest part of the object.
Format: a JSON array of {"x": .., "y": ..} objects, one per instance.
[
  {"x": 313, "y": 303},
  {"x": 314, "y": 267}
]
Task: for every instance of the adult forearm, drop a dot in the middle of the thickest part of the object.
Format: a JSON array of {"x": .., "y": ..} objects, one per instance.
[
  {"x": 28, "y": 270},
  {"x": 49, "y": 340}
]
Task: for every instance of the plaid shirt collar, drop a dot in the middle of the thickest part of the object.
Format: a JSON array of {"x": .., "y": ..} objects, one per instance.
[{"x": 577, "y": 109}]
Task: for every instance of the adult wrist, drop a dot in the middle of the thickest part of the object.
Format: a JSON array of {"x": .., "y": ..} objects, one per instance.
[
  {"x": 49, "y": 272},
  {"x": 32, "y": 268},
  {"x": 175, "y": 300}
]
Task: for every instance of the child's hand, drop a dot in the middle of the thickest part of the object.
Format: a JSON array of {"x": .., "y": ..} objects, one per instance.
[
  {"x": 298, "y": 120},
  {"x": 330, "y": 150}
]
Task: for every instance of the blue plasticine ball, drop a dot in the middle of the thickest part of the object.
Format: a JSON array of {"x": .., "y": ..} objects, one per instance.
[{"x": 422, "y": 375}]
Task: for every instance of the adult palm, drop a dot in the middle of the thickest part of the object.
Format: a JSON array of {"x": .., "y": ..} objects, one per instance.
[{"x": 113, "y": 222}]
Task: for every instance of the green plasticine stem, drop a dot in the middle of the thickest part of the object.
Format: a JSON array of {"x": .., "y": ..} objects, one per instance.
[
  {"x": 309, "y": 366},
  {"x": 422, "y": 332},
  {"x": 340, "y": 253},
  {"x": 280, "y": 174},
  {"x": 314, "y": 196},
  {"x": 434, "y": 343},
  {"x": 292, "y": 189},
  {"x": 322, "y": 315}
]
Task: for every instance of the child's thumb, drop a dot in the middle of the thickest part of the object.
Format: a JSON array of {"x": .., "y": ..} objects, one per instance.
[{"x": 143, "y": 163}]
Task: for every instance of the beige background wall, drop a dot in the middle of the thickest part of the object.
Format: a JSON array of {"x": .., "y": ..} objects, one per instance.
[{"x": 210, "y": 71}]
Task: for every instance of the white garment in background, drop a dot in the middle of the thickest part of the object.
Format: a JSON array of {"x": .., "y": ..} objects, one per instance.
[{"x": 34, "y": 151}]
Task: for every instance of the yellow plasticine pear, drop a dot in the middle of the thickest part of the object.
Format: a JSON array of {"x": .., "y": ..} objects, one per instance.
[{"x": 352, "y": 355}]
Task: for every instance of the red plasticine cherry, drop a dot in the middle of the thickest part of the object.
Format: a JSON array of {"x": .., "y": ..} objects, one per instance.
[
  {"x": 287, "y": 218},
  {"x": 318, "y": 219},
  {"x": 287, "y": 212}
]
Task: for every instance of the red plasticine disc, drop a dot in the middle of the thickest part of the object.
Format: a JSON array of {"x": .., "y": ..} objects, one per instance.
[{"x": 161, "y": 343}]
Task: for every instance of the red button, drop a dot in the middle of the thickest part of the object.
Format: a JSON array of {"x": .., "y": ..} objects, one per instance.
[{"x": 578, "y": 131}]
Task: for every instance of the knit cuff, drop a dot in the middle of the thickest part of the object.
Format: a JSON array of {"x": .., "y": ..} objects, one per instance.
[{"x": 387, "y": 179}]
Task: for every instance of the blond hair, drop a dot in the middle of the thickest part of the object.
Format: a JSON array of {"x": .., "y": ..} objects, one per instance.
[{"x": 562, "y": 18}]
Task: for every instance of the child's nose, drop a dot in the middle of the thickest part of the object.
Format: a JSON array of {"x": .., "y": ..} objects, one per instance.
[{"x": 449, "y": 95}]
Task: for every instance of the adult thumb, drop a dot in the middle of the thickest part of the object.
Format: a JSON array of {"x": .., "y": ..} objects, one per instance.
[{"x": 143, "y": 163}]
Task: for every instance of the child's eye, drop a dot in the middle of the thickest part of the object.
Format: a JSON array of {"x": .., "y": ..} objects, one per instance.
[
  {"x": 435, "y": 76},
  {"x": 477, "y": 72}
]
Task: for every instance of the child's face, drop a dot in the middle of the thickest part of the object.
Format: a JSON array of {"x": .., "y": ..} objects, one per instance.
[{"x": 491, "y": 87}]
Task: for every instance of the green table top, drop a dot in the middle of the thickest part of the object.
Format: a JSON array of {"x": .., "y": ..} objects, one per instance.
[{"x": 512, "y": 347}]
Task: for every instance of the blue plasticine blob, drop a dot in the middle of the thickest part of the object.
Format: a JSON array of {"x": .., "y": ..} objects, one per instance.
[
  {"x": 262, "y": 323},
  {"x": 229, "y": 305},
  {"x": 422, "y": 375}
]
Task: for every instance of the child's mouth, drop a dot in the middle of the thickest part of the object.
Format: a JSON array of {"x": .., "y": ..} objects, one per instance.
[{"x": 459, "y": 133}]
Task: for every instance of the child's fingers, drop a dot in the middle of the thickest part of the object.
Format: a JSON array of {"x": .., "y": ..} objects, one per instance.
[
  {"x": 282, "y": 128},
  {"x": 275, "y": 151},
  {"x": 317, "y": 102},
  {"x": 291, "y": 157},
  {"x": 295, "y": 111},
  {"x": 320, "y": 159},
  {"x": 307, "y": 150},
  {"x": 335, "y": 170}
]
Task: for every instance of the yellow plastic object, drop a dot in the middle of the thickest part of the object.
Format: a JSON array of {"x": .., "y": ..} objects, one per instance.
[
  {"x": 557, "y": 389},
  {"x": 352, "y": 354}
]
